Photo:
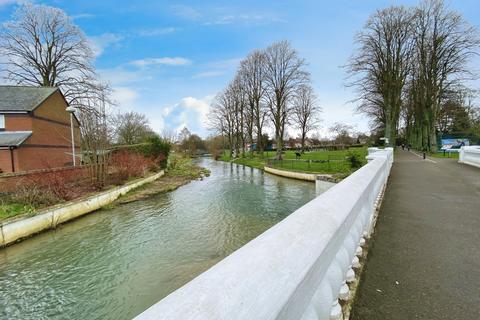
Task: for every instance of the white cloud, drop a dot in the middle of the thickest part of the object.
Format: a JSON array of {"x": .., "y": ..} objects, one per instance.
[
  {"x": 156, "y": 32},
  {"x": 224, "y": 16},
  {"x": 209, "y": 74},
  {"x": 202, "y": 106},
  {"x": 120, "y": 76},
  {"x": 217, "y": 68},
  {"x": 7, "y": 2},
  {"x": 224, "y": 64},
  {"x": 101, "y": 42},
  {"x": 227, "y": 19},
  {"x": 190, "y": 112},
  {"x": 82, "y": 16},
  {"x": 245, "y": 19},
  {"x": 186, "y": 12},
  {"x": 175, "y": 61},
  {"x": 124, "y": 96}
]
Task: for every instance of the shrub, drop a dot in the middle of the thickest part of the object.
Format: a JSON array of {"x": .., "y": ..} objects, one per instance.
[
  {"x": 156, "y": 148},
  {"x": 34, "y": 195},
  {"x": 354, "y": 160},
  {"x": 127, "y": 164},
  {"x": 47, "y": 188}
]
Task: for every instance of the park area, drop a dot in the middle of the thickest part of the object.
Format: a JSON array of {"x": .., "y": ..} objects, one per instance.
[{"x": 341, "y": 162}]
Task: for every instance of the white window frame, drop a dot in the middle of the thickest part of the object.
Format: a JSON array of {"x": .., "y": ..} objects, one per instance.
[{"x": 2, "y": 121}]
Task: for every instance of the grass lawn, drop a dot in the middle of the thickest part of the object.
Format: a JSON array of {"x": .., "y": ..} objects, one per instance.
[
  {"x": 8, "y": 210},
  {"x": 453, "y": 155},
  {"x": 337, "y": 163}
]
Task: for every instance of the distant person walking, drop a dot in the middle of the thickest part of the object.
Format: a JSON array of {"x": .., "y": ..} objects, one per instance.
[{"x": 409, "y": 146}]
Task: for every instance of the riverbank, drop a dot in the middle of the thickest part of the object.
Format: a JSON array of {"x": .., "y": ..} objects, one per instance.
[
  {"x": 24, "y": 226},
  {"x": 337, "y": 163},
  {"x": 182, "y": 172}
]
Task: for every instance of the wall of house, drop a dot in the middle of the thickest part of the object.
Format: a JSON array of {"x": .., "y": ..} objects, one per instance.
[
  {"x": 18, "y": 122},
  {"x": 51, "y": 117},
  {"x": 5, "y": 161},
  {"x": 33, "y": 158},
  {"x": 49, "y": 146}
]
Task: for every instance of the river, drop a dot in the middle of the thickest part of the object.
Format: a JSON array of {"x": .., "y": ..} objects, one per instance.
[{"x": 115, "y": 263}]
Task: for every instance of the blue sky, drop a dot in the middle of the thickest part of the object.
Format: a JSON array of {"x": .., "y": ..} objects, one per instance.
[{"x": 167, "y": 59}]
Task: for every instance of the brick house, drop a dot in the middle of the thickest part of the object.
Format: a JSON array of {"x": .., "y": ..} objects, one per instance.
[{"x": 35, "y": 130}]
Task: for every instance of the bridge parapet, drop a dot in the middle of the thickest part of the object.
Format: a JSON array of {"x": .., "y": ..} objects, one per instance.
[
  {"x": 470, "y": 155},
  {"x": 299, "y": 268},
  {"x": 377, "y": 152}
]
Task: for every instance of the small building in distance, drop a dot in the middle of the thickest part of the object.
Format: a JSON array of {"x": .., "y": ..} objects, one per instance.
[{"x": 35, "y": 131}]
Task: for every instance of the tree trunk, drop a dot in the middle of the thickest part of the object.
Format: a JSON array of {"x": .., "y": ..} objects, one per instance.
[
  {"x": 433, "y": 138},
  {"x": 303, "y": 141}
]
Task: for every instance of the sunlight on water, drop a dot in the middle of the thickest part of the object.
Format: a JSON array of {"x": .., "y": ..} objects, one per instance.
[{"x": 114, "y": 264}]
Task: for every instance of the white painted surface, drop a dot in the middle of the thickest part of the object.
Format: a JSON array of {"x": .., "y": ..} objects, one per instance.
[
  {"x": 291, "y": 174},
  {"x": 470, "y": 155},
  {"x": 295, "y": 270},
  {"x": 18, "y": 229},
  {"x": 321, "y": 185}
]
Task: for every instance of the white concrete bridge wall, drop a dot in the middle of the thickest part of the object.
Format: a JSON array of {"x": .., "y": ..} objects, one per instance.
[
  {"x": 299, "y": 268},
  {"x": 470, "y": 155}
]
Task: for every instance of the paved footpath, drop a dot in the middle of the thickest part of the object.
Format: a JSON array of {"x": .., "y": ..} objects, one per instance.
[{"x": 424, "y": 260}]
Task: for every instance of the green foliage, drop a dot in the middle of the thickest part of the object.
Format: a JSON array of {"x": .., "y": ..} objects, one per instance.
[
  {"x": 321, "y": 161},
  {"x": 454, "y": 155},
  {"x": 181, "y": 166},
  {"x": 156, "y": 148},
  {"x": 193, "y": 145},
  {"x": 8, "y": 210},
  {"x": 354, "y": 159}
]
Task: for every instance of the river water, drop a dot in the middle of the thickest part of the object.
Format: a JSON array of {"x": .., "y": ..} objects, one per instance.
[{"x": 115, "y": 263}]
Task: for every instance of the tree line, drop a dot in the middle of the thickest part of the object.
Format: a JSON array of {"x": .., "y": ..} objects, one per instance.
[
  {"x": 271, "y": 88},
  {"x": 410, "y": 67}
]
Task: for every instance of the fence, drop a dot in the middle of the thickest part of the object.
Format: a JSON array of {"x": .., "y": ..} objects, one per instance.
[
  {"x": 333, "y": 163},
  {"x": 299, "y": 268}
]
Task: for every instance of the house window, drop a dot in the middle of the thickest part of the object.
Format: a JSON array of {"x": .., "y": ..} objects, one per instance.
[{"x": 2, "y": 121}]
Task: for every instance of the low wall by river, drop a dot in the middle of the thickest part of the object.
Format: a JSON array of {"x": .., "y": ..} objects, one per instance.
[
  {"x": 291, "y": 174},
  {"x": 12, "y": 231},
  {"x": 323, "y": 182},
  {"x": 470, "y": 155}
]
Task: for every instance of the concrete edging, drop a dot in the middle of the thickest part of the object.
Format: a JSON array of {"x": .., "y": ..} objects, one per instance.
[
  {"x": 323, "y": 182},
  {"x": 13, "y": 231},
  {"x": 291, "y": 174}
]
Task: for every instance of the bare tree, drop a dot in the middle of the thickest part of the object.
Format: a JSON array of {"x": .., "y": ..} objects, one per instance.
[
  {"x": 305, "y": 111},
  {"x": 131, "y": 128},
  {"x": 343, "y": 132},
  {"x": 96, "y": 141},
  {"x": 284, "y": 73},
  {"x": 169, "y": 136},
  {"x": 237, "y": 96},
  {"x": 44, "y": 48},
  {"x": 252, "y": 73},
  {"x": 222, "y": 118},
  {"x": 381, "y": 65}
]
